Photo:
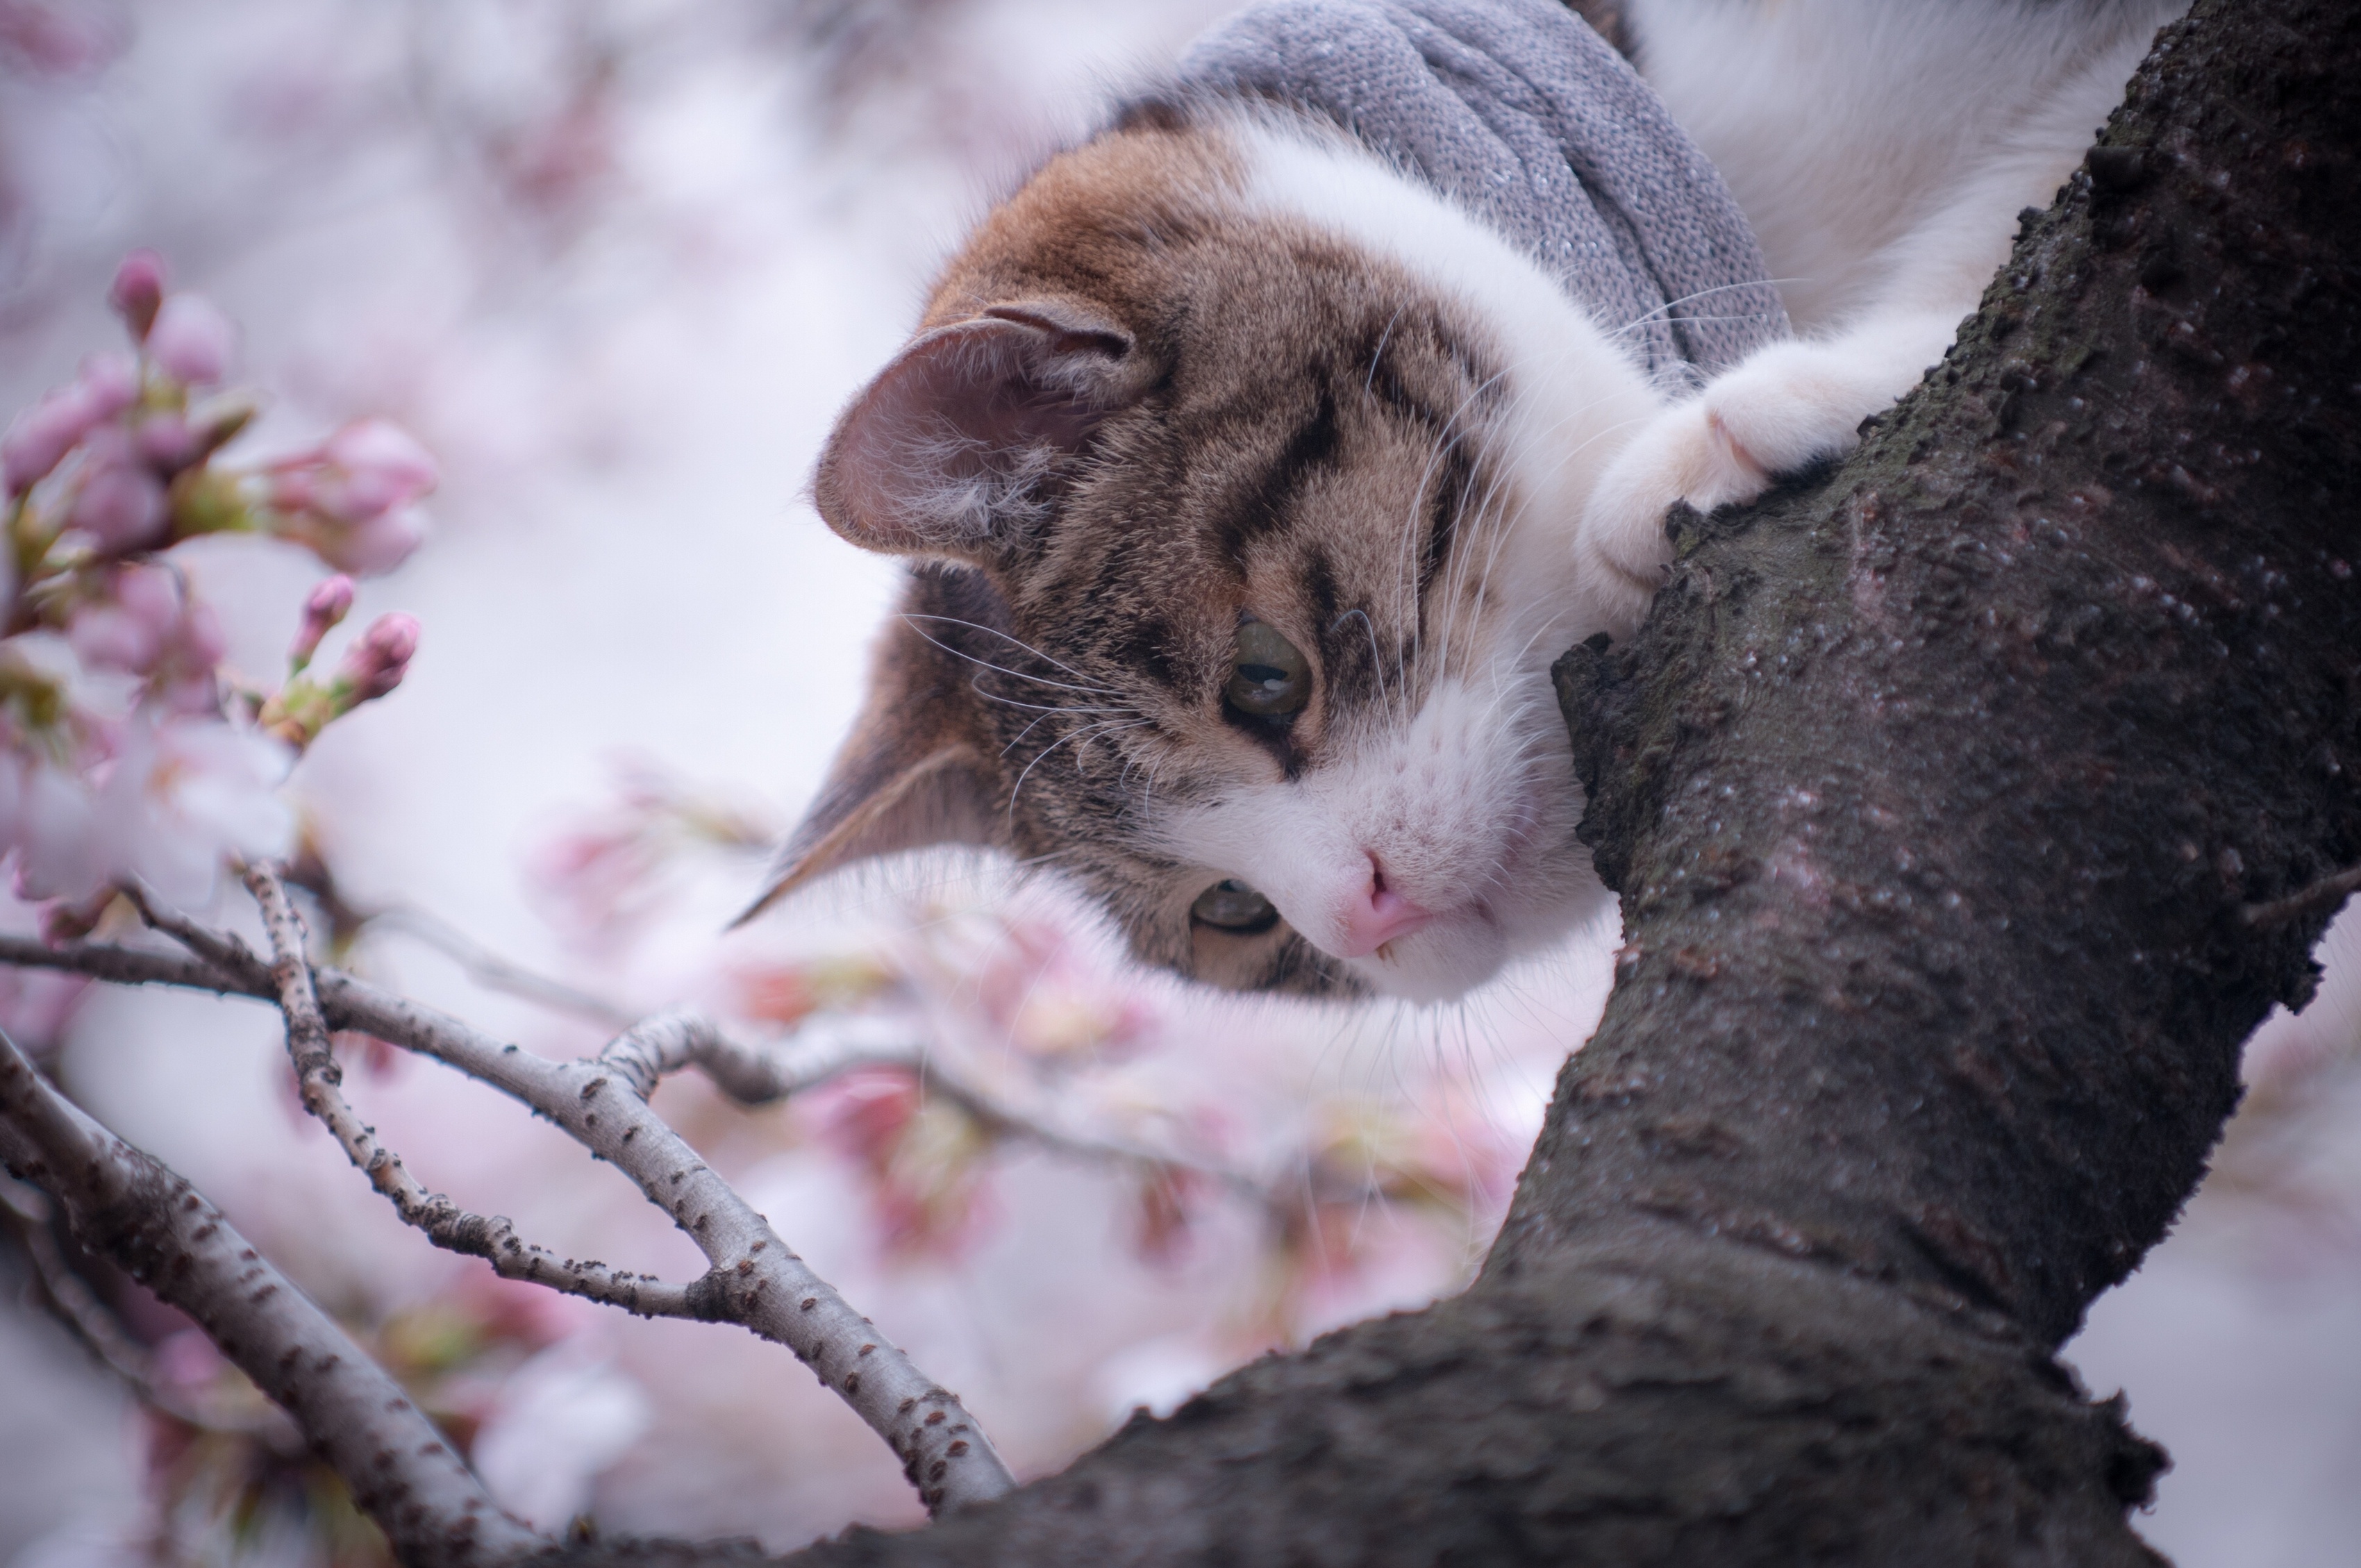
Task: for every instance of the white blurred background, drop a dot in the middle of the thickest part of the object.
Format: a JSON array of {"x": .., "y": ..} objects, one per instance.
[{"x": 617, "y": 262}]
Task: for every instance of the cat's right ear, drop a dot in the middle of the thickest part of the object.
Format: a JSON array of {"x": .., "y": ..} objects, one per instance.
[{"x": 952, "y": 450}]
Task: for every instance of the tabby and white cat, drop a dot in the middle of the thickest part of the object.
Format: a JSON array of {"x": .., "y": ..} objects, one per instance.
[{"x": 1251, "y": 485}]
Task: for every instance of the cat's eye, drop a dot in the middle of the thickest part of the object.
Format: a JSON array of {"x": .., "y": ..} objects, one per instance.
[
  {"x": 1270, "y": 676},
  {"x": 1231, "y": 905}
]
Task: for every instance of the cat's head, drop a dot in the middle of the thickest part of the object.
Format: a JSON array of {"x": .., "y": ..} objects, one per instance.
[{"x": 1239, "y": 476}]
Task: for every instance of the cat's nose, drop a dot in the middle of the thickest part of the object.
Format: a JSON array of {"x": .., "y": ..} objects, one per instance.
[{"x": 1377, "y": 916}]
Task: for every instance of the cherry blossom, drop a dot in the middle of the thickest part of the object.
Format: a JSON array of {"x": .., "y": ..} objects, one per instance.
[
  {"x": 120, "y": 756},
  {"x": 184, "y": 795},
  {"x": 191, "y": 340},
  {"x": 137, "y": 291},
  {"x": 326, "y": 607},
  {"x": 351, "y": 500}
]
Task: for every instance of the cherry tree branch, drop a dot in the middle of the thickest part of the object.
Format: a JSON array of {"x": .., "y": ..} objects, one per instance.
[
  {"x": 28, "y": 1211},
  {"x": 756, "y": 1280},
  {"x": 72, "y": 1299},
  {"x": 319, "y": 1081},
  {"x": 125, "y": 1203},
  {"x": 666, "y": 1043}
]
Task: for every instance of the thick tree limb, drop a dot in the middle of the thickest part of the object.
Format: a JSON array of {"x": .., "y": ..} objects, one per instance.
[{"x": 123, "y": 1204}]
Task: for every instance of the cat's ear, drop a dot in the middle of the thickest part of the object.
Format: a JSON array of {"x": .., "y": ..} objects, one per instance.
[
  {"x": 909, "y": 776},
  {"x": 951, "y": 450}
]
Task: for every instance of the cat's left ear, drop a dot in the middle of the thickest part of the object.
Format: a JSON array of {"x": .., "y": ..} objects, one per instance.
[{"x": 950, "y": 451}]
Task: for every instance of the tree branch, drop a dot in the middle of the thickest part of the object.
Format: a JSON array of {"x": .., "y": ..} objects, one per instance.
[
  {"x": 756, "y": 1280},
  {"x": 2324, "y": 897},
  {"x": 124, "y": 1203},
  {"x": 319, "y": 1080}
]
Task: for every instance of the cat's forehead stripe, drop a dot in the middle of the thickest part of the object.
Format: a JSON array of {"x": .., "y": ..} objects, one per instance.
[{"x": 1268, "y": 501}]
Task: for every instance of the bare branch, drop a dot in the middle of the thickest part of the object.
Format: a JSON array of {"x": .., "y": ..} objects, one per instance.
[
  {"x": 669, "y": 1042},
  {"x": 76, "y": 1304},
  {"x": 319, "y": 1080},
  {"x": 2324, "y": 895},
  {"x": 27, "y": 1211},
  {"x": 756, "y": 1279},
  {"x": 224, "y": 951},
  {"x": 126, "y": 1204},
  {"x": 491, "y": 970},
  {"x": 128, "y": 965}
]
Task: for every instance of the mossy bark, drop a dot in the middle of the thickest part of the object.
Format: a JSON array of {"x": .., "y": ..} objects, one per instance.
[{"x": 1938, "y": 790}]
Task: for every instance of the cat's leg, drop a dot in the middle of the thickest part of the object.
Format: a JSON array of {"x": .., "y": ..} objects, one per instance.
[{"x": 1781, "y": 409}]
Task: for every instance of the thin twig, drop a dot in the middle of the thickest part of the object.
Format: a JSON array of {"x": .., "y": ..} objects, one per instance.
[
  {"x": 491, "y": 970},
  {"x": 748, "y": 1076},
  {"x": 320, "y": 1083},
  {"x": 224, "y": 950},
  {"x": 127, "y": 1205},
  {"x": 130, "y": 966},
  {"x": 2324, "y": 894},
  {"x": 657, "y": 1046}
]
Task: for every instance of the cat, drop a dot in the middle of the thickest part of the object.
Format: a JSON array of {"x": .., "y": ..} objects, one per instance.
[{"x": 1252, "y": 478}]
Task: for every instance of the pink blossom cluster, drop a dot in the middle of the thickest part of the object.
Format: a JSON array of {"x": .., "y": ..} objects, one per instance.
[{"x": 125, "y": 750}]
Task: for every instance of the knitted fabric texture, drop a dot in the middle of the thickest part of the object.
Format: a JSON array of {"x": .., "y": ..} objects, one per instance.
[{"x": 1521, "y": 113}]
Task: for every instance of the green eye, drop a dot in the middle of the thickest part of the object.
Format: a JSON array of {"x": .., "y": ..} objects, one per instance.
[
  {"x": 1231, "y": 905},
  {"x": 1269, "y": 676}
]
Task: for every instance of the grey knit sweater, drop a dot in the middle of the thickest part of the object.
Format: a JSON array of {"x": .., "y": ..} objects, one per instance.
[{"x": 1518, "y": 111}]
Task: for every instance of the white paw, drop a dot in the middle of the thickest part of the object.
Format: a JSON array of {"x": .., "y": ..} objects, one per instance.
[
  {"x": 1784, "y": 409},
  {"x": 1683, "y": 454}
]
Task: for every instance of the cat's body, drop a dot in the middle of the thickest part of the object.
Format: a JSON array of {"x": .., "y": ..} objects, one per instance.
[{"x": 1256, "y": 484}]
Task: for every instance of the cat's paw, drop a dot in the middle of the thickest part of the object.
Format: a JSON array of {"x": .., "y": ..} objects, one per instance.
[{"x": 1783, "y": 409}]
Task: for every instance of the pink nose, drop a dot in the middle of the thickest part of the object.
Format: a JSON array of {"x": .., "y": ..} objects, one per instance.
[{"x": 1377, "y": 916}]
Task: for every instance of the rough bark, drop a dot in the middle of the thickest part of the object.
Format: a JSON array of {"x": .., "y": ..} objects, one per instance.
[{"x": 1938, "y": 791}]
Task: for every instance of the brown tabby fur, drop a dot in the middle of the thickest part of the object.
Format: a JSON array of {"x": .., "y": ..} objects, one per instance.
[{"x": 1045, "y": 681}]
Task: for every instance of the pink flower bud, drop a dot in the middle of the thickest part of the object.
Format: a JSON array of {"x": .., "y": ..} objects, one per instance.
[
  {"x": 165, "y": 442},
  {"x": 116, "y": 501},
  {"x": 329, "y": 603},
  {"x": 374, "y": 547},
  {"x": 191, "y": 341},
  {"x": 374, "y": 665},
  {"x": 39, "y": 439},
  {"x": 381, "y": 466},
  {"x": 129, "y": 626},
  {"x": 111, "y": 383},
  {"x": 139, "y": 290}
]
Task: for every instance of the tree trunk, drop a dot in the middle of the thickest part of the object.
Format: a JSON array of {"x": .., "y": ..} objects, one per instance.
[{"x": 1945, "y": 794}]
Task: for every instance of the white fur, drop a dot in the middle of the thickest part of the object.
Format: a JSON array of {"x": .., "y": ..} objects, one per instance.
[{"x": 1882, "y": 149}]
